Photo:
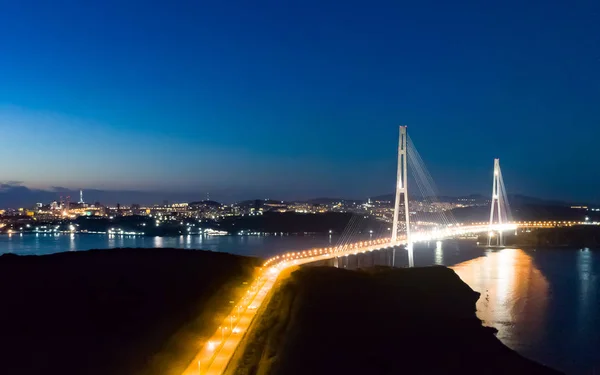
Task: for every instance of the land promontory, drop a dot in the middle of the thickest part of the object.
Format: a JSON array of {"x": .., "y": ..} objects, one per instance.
[{"x": 324, "y": 320}]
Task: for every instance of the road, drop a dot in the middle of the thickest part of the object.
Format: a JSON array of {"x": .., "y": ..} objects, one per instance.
[
  {"x": 220, "y": 348},
  {"x": 218, "y": 351},
  {"x": 214, "y": 357}
]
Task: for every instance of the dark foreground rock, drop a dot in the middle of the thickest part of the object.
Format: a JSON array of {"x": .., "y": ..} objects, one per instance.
[
  {"x": 121, "y": 311},
  {"x": 385, "y": 321}
]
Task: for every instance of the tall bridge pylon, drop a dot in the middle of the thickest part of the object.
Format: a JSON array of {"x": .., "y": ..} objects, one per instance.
[
  {"x": 500, "y": 205},
  {"x": 401, "y": 187}
]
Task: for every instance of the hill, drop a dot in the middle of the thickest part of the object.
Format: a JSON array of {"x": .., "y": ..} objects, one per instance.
[
  {"x": 292, "y": 222},
  {"x": 121, "y": 311},
  {"x": 384, "y": 321},
  {"x": 526, "y": 212}
]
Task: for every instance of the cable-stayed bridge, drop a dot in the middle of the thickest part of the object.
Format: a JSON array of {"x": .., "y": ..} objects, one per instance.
[
  {"x": 215, "y": 356},
  {"x": 404, "y": 233}
]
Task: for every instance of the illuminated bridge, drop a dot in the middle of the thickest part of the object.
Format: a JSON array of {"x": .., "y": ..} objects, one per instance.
[{"x": 216, "y": 354}]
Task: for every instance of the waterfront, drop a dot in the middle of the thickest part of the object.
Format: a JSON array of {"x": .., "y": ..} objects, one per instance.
[
  {"x": 545, "y": 303},
  {"x": 260, "y": 246}
]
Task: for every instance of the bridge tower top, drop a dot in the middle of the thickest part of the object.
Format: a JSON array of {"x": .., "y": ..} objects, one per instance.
[
  {"x": 401, "y": 187},
  {"x": 500, "y": 204}
]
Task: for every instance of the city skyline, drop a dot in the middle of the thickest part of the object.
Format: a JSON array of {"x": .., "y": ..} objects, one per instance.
[
  {"x": 262, "y": 101},
  {"x": 14, "y": 195}
]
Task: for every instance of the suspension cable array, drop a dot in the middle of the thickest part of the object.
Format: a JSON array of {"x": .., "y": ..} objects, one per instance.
[{"x": 500, "y": 205}]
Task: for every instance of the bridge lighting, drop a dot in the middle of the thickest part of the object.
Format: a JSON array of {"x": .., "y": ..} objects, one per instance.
[{"x": 274, "y": 265}]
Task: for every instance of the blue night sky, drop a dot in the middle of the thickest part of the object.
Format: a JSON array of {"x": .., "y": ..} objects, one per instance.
[{"x": 299, "y": 99}]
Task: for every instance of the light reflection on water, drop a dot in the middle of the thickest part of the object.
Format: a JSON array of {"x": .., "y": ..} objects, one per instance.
[
  {"x": 514, "y": 294},
  {"x": 262, "y": 246},
  {"x": 439, "y": 253},
  {"x": 545, "y": 303}
]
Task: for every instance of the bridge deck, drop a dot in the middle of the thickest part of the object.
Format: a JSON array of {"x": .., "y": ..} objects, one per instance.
[{"x": 217, "y": 353}]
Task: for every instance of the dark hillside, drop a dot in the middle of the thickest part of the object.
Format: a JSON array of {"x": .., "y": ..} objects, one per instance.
[
  {"x": 382, "y": 321},
  {"x": 121, "y": 311}
]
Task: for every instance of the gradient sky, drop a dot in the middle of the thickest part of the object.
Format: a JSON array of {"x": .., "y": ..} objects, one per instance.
[{"x": 297, "y": 99}]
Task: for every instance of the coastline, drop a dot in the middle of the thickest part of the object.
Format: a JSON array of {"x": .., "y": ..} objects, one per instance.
[{"x": 378, "y": 321}]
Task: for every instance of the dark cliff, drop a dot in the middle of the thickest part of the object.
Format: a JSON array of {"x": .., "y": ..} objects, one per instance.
[
  {"x": 382, "y": 321},
  {"x": 120, "y": 311}
]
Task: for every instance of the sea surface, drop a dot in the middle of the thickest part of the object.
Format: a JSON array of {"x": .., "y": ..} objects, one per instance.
[{"x": 545, "y": 303}]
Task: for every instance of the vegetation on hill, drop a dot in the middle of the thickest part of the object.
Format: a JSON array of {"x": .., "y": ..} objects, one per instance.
[
  {"x": 576, "y": 236},
  {"x": 526, "y": 212},
  {"x": 291, "y": 222},
  {"x": 120, "y": 311},
  {"x": 381, "y": 321}
]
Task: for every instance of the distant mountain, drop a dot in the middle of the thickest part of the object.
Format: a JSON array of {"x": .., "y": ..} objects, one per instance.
[
  {"x": 384, "y": 197},
  {"x": 514, "y": 199},
  {"x": 333, "y": 200},
  {"x": 260, "y": 202},
  {"x": 518, "y": 199},
  {"x": 205, "y": 203},
  {"x": 441, "y": 198},
  {"x": 478, "y": 198},
  {"x": 525, "y": 212}
]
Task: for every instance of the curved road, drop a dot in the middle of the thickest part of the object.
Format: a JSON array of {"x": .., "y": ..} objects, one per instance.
[{"x": 214, "y": 357}]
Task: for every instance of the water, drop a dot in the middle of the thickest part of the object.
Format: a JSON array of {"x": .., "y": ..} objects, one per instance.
[
  {"x": 261, "y": 246},
  {"x": 544, "y": 303}
]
